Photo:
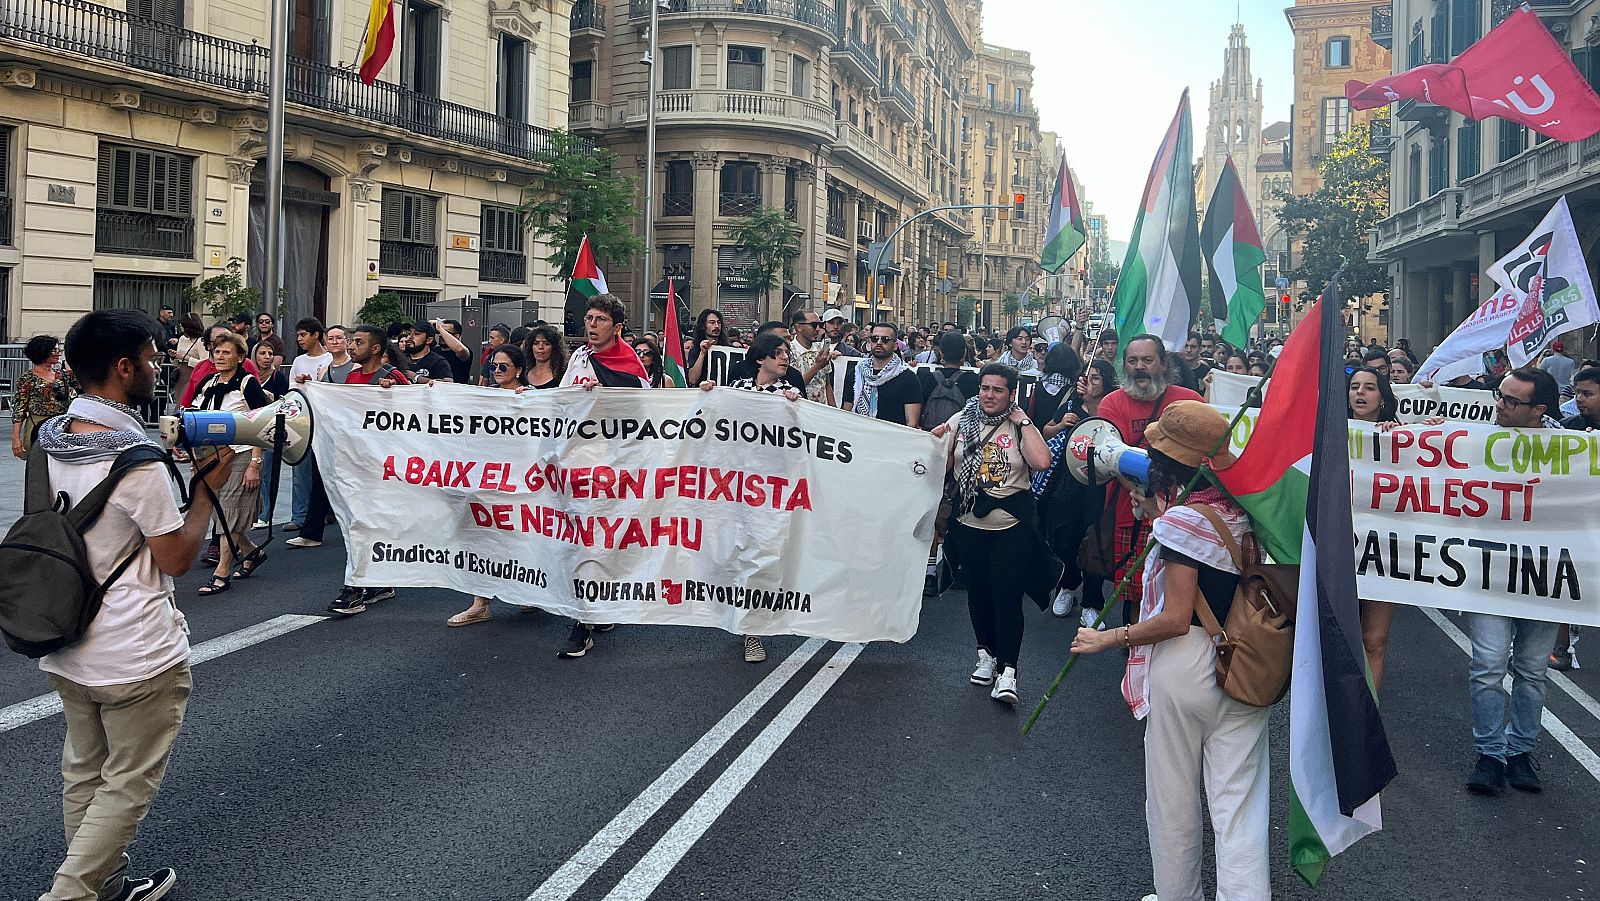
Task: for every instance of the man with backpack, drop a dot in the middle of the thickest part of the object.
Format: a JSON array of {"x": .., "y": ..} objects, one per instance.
[
  {"x": 947, "y": 388},
  {"x": 124, "y": 681}
]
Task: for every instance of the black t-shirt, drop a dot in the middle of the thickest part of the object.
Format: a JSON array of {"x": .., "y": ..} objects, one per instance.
[
  {"x": 460, "y": 370},
  {"x": 431, "y": 366},
  {"x": 893, "y": 396},
  {"x": 967, "y": 382},
  {"x": 1046, "y": 406},
  {"x": 1216, "y": 585}
]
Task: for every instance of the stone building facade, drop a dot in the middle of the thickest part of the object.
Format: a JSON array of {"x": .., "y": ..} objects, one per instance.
[
  {"x": 1233, "y": 124},
  {"x": 130, "y": 138}
]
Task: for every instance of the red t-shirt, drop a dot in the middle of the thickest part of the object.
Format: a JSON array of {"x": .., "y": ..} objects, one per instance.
[
  {"x": 357, "y": 377},
  {"x": 1131, "y": 417}
]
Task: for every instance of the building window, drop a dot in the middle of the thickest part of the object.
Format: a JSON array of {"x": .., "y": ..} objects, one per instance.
[
  {"x": 5, "y": 200},
  {"x": 991, "y": 94},
  {"x": 144, "y": 203},
  {"x": 415, "y": 303},
  {"x": 1414, "y": 176},
  {"x": 1468, "y": 151},
  {"x": 149, "y": 45},
  {"x": 800, "y": 77},
  {"x": 419, "y": 66},
  {"x": 745, "y": 68},
  {"x": 500, "y": 255},
  {"x": 1336, "y": 53},
  {"x": 511, "y": 89},
  {"x": 1513, "y": 140},
  {"x": 1438, "y": 165},
  {"x": 1335, "y": 120},
  {"x": 409, "y": 238},
  {"x": 1466, "y": 24},
  {"x": 678, "y": 199},
  {"x": 740, "y": 193},
  {"x": 677, "y": 67},
  {"x": 139, "y": 292},
  {"x": 1017, "y": 99},
  {"x": 582, "y": 80},
  {"x": 1415, "y": 55}
]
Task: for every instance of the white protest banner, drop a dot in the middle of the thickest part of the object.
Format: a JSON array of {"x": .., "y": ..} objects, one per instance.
[
  {"x": 1228, "y": 392},
  {"x": 1230, "y": 389},
  {"x": 1475, "y": 517},
  {"x": 1547, "y": 273},
  {"x": 1461, "y": 352},
  {"x": 723, "y": 508}
]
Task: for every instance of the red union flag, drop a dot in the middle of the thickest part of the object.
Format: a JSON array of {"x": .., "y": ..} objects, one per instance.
[{"x": 1517, "y": 71}]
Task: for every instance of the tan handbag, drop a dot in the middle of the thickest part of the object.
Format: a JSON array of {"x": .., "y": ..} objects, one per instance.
[{"x": 1255, "y": 651}]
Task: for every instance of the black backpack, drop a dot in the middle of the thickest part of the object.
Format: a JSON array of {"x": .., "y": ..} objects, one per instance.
[
  {"x": 945, "y": 400},
  {"x": 48, "y": 592}
]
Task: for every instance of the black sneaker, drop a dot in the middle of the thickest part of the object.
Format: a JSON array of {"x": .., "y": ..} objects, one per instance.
[
  {"x": 1488, "y": 777},
  {"x": 1520, "y": 773},
  {"x": 374, "y": 595},
  {"x": 349, "y": 602},
  {"x": 578, "y": 643},
  {"x": 603, "y": 627},
  {"x": 151, "y": 887},
  {"x": 1561, "y": 662}
]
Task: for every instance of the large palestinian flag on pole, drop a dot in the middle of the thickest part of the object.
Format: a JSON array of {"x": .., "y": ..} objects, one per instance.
[
  {"x": 1296, "y": 488},
  {"x": 1159, "y": 287},
  {"x": 587, "y": 279},
  {"x": 672, "y": 342},
  {"x": 1234, "y": 255},
  {"x": 1066, "y": 232}
]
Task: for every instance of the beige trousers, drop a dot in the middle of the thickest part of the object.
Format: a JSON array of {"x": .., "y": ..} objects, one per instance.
[
  {"x": 1199, "y": 740},
  {"x": 118, "y": 740}
]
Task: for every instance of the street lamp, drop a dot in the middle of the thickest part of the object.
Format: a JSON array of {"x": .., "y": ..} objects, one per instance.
[{"x": 649, "y": 62}]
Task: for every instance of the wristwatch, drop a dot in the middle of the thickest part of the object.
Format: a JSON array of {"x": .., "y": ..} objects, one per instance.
[{"x": 1025, "y": 421}]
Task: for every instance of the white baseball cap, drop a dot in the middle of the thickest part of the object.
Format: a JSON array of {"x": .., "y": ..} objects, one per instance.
[{"x": 831, "y": 314}]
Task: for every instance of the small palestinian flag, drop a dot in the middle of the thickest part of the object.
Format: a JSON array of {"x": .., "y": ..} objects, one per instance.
[
  {"x": 587, "y": 279},
  {"x": 672, "y": 353},
  {"x": 1232, "y": 247},
  {"x": 1066, "y": 232}
]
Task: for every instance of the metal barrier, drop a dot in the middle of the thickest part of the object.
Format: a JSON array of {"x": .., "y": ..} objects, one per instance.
[{"x": 13, "y": 364}]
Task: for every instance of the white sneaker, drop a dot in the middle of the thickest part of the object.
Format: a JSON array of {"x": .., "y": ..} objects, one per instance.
[
  {"x": 1089, "y": 616},
  {"x": 1005, "y": 686},
  {"x": 259, "y": 524},
  {"x": 1066, "y": 599},
  {"x": 302, "y": 541},
  {"x": 984, "y": 674},
  {"x": 1149, "y": 898}
]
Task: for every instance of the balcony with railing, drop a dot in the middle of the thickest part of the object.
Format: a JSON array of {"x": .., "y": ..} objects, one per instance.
[
  {"x": 1433, "y": 216},
  {"x": 1379, "y": 139},
  {"x": 5, "y": 222},
  {"x": 853, "y": 53},
  {"x": 900, "y": 23},
  {"x": 110, "y": 35},
  {"x": 143, "y": 234},
  {"x": 741, "y": 108},
  {"x": 677, "y": 203},
  {"x": 899, "y": 102},
  {"x": 736, "y": 203},
  {"x": 408, "y": 258},
  {"x": 835, "y": 226},
  {"x": 817, "y": 14},
  {"x": 588, "y": 18},
  {"x": 853, "y": 142},
  {"x": 504, "y": 266}
]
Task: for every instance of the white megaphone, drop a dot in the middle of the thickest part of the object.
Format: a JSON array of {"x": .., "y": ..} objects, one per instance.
[
  {"x": 256, "y": 428},
  {"x": 1095, "y": 453}
]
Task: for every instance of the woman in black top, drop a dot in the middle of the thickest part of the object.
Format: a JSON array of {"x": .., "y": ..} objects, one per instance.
[
  {"x": 1062, "y": 366},
  {"x": 545, "y": 358},
  {"x": 1068, "y": 507},
  {"x": 650, "y": 356}
]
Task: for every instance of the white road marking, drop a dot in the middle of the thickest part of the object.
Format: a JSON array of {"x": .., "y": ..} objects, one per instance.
[
  {"x": 646, "y": 876},
  {"x": 35, "y": 709},
  {"x": 1558, "y": 730},
  {"x": 572, "y": 875}
]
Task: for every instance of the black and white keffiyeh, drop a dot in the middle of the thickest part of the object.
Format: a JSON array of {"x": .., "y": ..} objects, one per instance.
[
  {"x": 975, "y": 426},
  {"x": 868, "y": 381},
  {"x": 92, "y": 447}
]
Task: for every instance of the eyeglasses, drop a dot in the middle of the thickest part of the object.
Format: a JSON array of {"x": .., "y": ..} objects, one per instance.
[
  {"x": 499, "y": 367},
  {"x": 882, "y": 339},
  {"x": 1509, "y": 401}
]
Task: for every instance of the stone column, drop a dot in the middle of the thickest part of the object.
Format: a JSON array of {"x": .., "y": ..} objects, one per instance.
[
  {"x": 813, "y": 232},
  {"x": 854, "y": 205},
  {"x": 1488, "y": 253},
  {"x": 239, "y": 170},
  {"x": 703, "y": 263},
  {"x": 1462, "y": 302},
  {"x": 773, "y": 173}
]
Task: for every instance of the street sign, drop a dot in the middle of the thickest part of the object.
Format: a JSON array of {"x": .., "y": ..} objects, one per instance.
[{"x": 1283, "y": 283}]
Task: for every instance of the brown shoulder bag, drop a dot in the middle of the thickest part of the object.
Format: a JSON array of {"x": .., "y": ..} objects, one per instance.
[{"x": 1255, "y": 651}]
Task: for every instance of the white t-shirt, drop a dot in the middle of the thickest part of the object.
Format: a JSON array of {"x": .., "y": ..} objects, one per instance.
[
  {"x": 139, "y": 631},
  {"x": 306, "y": 364}
]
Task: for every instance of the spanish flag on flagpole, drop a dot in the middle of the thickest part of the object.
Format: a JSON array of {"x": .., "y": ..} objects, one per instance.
[{"x": 379, "y": 42}]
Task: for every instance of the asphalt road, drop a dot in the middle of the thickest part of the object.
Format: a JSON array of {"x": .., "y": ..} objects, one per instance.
[{"x": 386, "y": 756}]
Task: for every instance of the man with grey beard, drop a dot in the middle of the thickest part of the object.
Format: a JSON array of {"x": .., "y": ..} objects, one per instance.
[{"x": 1145, "y": 392}]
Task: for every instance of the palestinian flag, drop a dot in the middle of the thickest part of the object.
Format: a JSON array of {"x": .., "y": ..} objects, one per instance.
[
  {"x": 1159, "y": 288},
  {"x": 1066, "y": 232},
  {"x": 1234, "y": 254},
  {"x": 672, "y": 353},
  {"x": 587, "y": 279},
  {"x": 379, "y": 42},
  {"x": 1339, "y": 757}
]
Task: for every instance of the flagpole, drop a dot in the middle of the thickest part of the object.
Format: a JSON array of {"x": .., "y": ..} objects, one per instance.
[
  {"x": 650, "y": 160},
  {"x": 277, "y": 75}
]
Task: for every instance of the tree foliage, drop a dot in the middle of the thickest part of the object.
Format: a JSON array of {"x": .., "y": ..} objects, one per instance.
[
  {"x": 770, "y": 242},
  {"x": 1010, "y": 304},
  {"x": 383, "y": 310},
  {"x": 225, "y": 294},
  {"x": 966, "y": 310},
  {"x": 578, "y": 192},
  {"x": 1103, "y": 272},
  {"x": 1333, "y": 221}
]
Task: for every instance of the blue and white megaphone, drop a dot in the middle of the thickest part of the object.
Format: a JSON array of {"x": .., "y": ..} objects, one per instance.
[
  {"x": 256, "y": 428},
  {"x": 1095, "y": 453}
]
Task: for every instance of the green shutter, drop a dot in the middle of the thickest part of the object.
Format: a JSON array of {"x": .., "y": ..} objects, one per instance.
[{"x": 393, "y": 214}]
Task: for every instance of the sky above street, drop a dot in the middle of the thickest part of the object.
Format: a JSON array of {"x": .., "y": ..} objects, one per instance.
[{"x": 1107, "y": 77}]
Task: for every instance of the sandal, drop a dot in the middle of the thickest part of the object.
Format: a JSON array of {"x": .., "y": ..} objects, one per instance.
[
  {"x": 469, "y": 617},
  {"x": 217, "y": 585},
  {"x": 251, "y": 562}
]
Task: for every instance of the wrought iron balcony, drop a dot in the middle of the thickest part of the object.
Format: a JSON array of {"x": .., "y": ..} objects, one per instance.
[
  {"x": 737, "y": 204},
  {"x": 143, "y": 234},
  {"x": 791, "y": 208},
  {"x": 111, "y": 35},
  {"x": 677, "y": 203},
  {"x": 5, "y": 222},
  {"x": 836, "y": 226},
  {"x": 901, "y": 19},
  {"x": 816, "y": 13},
  {"x": 854, "y": 52},
  {"x": 900, "y": 101},
  {"x": 407, "y": 258},
  {"x": 1379, "y": 140},
  {"x": 588, "y": 15},
  {"x": 504, "y": 266},
  {"x": 1383, "y": 25}
]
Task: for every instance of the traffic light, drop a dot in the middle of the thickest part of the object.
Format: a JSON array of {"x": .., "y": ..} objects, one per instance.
[
  {"x": 944, "y": 269},
  {"x": 1019, "y": 202},
  {"x": 1283, "y": 298}
]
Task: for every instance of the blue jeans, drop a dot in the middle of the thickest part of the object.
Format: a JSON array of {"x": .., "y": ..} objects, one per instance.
[
  {"x": 300, "y": 494},
  {"x": 1522, "y": 647},
  {"x": 267, "y": 488}
]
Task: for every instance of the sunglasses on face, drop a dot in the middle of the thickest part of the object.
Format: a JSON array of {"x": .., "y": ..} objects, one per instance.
[
  {"x": 882, "y": 339},
  {"x": 499, "y": 367}
]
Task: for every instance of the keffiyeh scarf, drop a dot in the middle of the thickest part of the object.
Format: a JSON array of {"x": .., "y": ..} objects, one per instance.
[
  {"x": 974, "y": 428},
  {"x": 92, "y": 447},
  {"x": 869, "y": 380}
]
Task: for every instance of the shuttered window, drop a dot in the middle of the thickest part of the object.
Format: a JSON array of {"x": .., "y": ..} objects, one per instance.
[
  {"x": 745, "y": 68},
  {"x": 677, "y": 68},
  {"x": 582, "y": 80},
  {"x": 502, "y": 229},
  {"x": 511, "y": 87},
  {"x": 1466, "y": 24},
  {"x": 800, "y": 78},
  {"x": 5, "y": 162},
  {"x": 410, "y": 217},
  {"x": 167, "y": 12},
  {"x": 133, "y": 179},
  {"x": 1468, "y": 151}
]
